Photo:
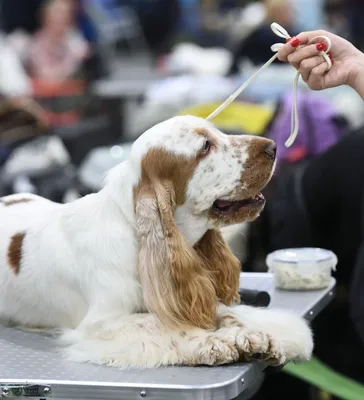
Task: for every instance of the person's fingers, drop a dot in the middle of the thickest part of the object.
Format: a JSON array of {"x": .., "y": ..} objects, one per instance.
[
  {"x": 305, "y": 52},
  {"x": 288, "y": 48},
  {"x": 305, "y": 37},
  {"x": 308, "y": 64},
  {"x": 316, "y": 80},
  {"x": 301, "y": 39}
]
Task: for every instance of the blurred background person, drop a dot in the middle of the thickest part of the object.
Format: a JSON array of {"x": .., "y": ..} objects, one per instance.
[
  {"x": 57, "y": 51},
  {"x": 257, "y": 46}
]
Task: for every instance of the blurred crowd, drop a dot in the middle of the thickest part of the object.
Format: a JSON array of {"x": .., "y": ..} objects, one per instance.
[
  {"x": 57, "y": 41},
  {"x": 81, "y": 79}
]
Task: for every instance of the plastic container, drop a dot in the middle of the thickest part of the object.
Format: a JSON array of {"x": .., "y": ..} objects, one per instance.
[{"x": 302, "y": 268}]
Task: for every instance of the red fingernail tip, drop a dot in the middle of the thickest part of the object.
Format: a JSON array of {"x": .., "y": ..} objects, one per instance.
[
  {"x": 295, "y": 42},
  {"x": 321, "y": 46}
]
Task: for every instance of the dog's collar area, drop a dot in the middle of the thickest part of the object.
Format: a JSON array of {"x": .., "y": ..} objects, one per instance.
[{"x": 281, "y": 32}]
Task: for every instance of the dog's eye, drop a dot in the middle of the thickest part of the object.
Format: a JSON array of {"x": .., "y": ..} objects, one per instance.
[{"x": 206, "y": 147}]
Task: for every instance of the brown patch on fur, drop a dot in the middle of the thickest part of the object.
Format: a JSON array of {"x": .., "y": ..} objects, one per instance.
[
  {"x": 257, "y": 168},
  {"x": 159, "y": 164},
  {"x": 14, "y": 201},
  {"x": 229, "y": 321},
  {"x": 255, "y": 175},
  {"x": 176, "y": 285},
  {"x": 15, "y": 251},
  {"x": 225, "y": 268},
  {"x": 204, "y": 132}
]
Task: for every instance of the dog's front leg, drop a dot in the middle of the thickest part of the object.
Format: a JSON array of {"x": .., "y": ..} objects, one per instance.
[
  {"x": 272, "y": 336},
  {"x": 142, "y": 341}
]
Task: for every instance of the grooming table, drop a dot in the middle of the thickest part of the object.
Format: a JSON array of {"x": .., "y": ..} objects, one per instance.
[{"x": 31, "y": 366}]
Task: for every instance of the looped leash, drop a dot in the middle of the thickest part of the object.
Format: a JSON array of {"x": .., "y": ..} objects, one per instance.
[{"x": 281, "y": 32}]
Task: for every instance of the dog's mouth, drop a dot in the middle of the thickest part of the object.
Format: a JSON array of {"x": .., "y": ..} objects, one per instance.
[{"x": 228, "y": 207}]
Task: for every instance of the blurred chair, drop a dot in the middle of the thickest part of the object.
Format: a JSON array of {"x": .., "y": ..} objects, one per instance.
[
  {"x": 75, "y": 116},
  {"x": 64, "y": 101},
  {"x": 86, "y": 135},
  {"x": 20, "y": 121}
]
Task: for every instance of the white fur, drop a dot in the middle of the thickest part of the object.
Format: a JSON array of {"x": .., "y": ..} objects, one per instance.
[{"x": 78, "y": 268}]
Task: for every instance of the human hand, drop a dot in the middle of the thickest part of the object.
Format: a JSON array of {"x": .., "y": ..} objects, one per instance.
[{"x": 348, "y": 61}]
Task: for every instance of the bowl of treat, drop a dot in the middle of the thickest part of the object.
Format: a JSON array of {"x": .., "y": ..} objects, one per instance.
[{"x": 302, "y": 268}]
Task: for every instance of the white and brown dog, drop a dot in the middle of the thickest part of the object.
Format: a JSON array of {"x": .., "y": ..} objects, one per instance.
[{"x": 138, "y": 275}]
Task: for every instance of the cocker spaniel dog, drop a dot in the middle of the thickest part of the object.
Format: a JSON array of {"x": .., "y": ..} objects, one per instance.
[{"x": 139, "y": 275}]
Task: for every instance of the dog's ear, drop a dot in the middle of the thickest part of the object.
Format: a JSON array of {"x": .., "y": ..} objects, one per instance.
[
  {"x": 223, "y": 265},
  {"x": 175, "y": 284}
]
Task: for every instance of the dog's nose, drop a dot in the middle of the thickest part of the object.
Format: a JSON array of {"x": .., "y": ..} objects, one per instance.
[{"x": 270, "y": 151}]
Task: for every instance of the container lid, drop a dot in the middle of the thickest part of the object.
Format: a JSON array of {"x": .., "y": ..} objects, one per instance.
[{"x": 302, "y": 256}]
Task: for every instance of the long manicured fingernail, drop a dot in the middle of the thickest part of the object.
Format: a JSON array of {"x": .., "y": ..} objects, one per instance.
[
  {"x": 295, "y": 42},
  {"x": 321, "y": 46}
]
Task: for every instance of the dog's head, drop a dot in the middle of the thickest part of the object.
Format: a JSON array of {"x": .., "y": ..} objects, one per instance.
[{"x": 193, "y": 179}]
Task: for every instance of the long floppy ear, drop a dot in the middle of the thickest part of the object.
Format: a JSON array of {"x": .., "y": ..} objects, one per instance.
[
  {"x": 176, "y": 286},
  {"x": 223, "y": 265}
]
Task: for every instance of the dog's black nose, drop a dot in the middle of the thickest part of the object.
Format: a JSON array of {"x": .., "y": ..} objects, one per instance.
[{"x": 270, "y": 151}]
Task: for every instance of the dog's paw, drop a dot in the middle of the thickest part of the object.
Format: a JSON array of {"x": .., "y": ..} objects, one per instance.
[
  {"x": 275, "y": 354},
  {"x": 295, "y": 336},
  {"x": 255, "y": 345},
  {"x": 217, "y": 351}
]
